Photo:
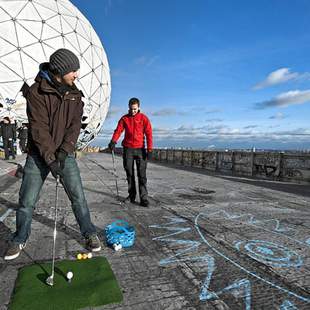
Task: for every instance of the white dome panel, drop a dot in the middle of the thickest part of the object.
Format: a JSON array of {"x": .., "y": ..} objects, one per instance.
[{"x": 30, "y": 32}]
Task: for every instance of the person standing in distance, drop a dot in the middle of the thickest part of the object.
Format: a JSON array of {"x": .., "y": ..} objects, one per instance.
[
  {"x": 137, "y": 127},
  {"x": 54, "y": 110},
  {"x": 8, "y": 132}
]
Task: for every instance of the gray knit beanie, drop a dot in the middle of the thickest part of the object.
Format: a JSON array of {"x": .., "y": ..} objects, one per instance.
[{"x": 63, "y": 61}]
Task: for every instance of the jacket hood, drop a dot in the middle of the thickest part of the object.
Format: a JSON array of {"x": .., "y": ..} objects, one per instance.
[
  {"x": 43, "y": 73},
  {"x": 47, "y": 82}
]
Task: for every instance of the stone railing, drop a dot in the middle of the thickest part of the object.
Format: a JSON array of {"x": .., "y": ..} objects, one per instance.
[{"x": 267, "y": 165}]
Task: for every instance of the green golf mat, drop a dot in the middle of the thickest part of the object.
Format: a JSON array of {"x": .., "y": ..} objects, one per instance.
[{"x": 93, "y": 284}]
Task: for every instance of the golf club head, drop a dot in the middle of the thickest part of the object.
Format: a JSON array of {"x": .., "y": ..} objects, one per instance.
[{"x": 50, "y": 281}]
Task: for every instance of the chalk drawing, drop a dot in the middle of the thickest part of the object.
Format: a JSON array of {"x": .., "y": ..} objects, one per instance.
[
  {"x": 264, "y": 251},
  {"x": 250, "y": 220},
  {"x": 269, "y": 253},
  {"x": 302, "y": 298},
  {"x": 239, "y": 289},
  {"x": 287, "y": 305},
  {"x": 192, "y": 245}
]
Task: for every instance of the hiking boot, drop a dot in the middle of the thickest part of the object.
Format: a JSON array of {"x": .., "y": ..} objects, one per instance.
[
  {"x": 93, "y": 243},
  {"x": 129, "y": 200},
  {"x": 145, "y": 203},
  {"x": 14, "y": 250}
]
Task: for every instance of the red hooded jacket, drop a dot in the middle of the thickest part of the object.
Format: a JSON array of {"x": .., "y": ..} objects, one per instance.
[{"x": 136, "y": 127}]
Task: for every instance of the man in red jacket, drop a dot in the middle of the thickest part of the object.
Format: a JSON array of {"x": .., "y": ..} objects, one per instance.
[{"x": 137, "y": 127}]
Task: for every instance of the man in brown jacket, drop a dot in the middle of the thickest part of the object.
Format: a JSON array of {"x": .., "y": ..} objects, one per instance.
[{"x": 54, "y": 110}]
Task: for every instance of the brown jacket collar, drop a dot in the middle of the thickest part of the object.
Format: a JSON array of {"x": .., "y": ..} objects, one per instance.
[{"x": 47, "y": 87}]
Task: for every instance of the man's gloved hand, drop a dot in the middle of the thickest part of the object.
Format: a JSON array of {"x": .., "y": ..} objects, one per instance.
[
  {"x": 111, "y": 145},
  {"x": 55, "y": 169},
  {"x": 61, "y": 156},
  {"x": 149, "y": 155}
]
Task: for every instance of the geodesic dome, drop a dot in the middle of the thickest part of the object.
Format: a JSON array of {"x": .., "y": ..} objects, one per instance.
[{"x": 30, "y": 31}]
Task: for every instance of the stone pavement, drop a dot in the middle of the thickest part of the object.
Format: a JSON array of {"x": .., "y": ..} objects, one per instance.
[{"x": 206, "y": 241}]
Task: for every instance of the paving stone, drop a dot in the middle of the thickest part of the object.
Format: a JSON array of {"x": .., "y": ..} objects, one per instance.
[{"x": 206, "y": 241}]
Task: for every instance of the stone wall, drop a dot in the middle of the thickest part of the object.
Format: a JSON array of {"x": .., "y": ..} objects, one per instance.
[{"x": 266, "y": 165}]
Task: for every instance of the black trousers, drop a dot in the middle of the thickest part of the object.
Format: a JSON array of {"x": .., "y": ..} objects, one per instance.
[
  {"x": 22, "y": 144},
  {"x": 8, "y": 148},
  {"x": 130, "y": 156}
]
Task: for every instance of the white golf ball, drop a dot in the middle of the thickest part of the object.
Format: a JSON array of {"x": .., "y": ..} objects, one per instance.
[
  {"x": 69, "y": 275},
  {"x": 89, "y": 255},
  {"x": 117, "y": 246}
]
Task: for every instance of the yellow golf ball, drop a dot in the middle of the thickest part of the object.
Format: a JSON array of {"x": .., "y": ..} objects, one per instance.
[
  {"x": 79, "y": 256},
  {"x": 89, "y": 255},
  {"x": 85, "y": 256}
]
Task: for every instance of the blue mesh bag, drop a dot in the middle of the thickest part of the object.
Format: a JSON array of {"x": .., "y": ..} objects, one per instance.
[{"x": 119, "y": 232}]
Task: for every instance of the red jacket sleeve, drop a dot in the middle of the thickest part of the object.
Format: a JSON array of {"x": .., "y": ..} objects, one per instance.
[
  {"x": 118, "y": 131},
  {"x": 148, "y": 134}
]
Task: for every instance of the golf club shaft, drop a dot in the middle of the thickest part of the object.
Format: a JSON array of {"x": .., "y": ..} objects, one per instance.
[
  {"x": 55, "y": 227},
  {"x": 113, "y": 161}
]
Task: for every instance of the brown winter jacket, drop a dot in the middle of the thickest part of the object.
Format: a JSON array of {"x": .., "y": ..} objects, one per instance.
[{"x": 54, "y": 120}]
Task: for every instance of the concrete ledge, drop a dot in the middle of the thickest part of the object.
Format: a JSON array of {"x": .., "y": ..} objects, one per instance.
[{"x": 264, "y": 165}]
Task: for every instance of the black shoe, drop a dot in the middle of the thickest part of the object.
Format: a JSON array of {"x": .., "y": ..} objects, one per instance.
[
  {"x": 130, "y": 200},
  {"x": 14, "y": 250},
  {"x": 145, "y": 203},
  {"x": 93, "y": 243}
]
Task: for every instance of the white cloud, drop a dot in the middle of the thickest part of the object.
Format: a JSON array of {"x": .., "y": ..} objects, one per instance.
[
  {"x": 277, "y": 77},
  {"x": 167, "y": 112},
  {"x": 225, "y": 133},
  {"x": 164, "y": 112},
  {"x": 113, "y": 112},
  {"x": 108, "y": 6},
  {"x": 250, "y": 126},
  {"x": 209, "y": 136},
  {"x": 213, "y": 111},
  {"x": 217, "y": 120},
  {"x": 278, "y": 116},
  {"x": 285, "y": 99},
  {"x": 145, "y": 60}
]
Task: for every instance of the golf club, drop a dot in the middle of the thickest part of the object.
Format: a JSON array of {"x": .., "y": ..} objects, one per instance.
[
  {"x": 115, "y": 174},
  {"x": 50, "y": 279}
]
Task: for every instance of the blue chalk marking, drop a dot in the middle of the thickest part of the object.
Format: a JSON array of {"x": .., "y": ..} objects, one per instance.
[
  {"x": 192, "y": 245},
  {"x": 270, "y": 253},
  {"x": 264, "y": 250},
  {"x": 273, "y": 221},
  {"x": 240, "y": 289},
  {"x": 177, "y": 230},
  {"x": 305, "y": 299},
  {"x": 287, "y": 305},
  {"x": 250, "y": 220}
]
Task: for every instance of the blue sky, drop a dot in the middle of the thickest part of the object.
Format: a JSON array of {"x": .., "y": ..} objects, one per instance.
[{"x": 209, "y": 73}]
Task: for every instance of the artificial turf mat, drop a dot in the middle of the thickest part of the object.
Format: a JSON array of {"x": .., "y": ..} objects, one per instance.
[{"x": 93, "y": 284}]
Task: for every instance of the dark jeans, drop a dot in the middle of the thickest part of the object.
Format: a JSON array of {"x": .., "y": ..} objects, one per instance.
[
  {"x": 130, "y": 156},
  {"x": 35, "y": 173},
  {"x": 8, "y": 146},
  {"x": 23, "y": 144}
]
